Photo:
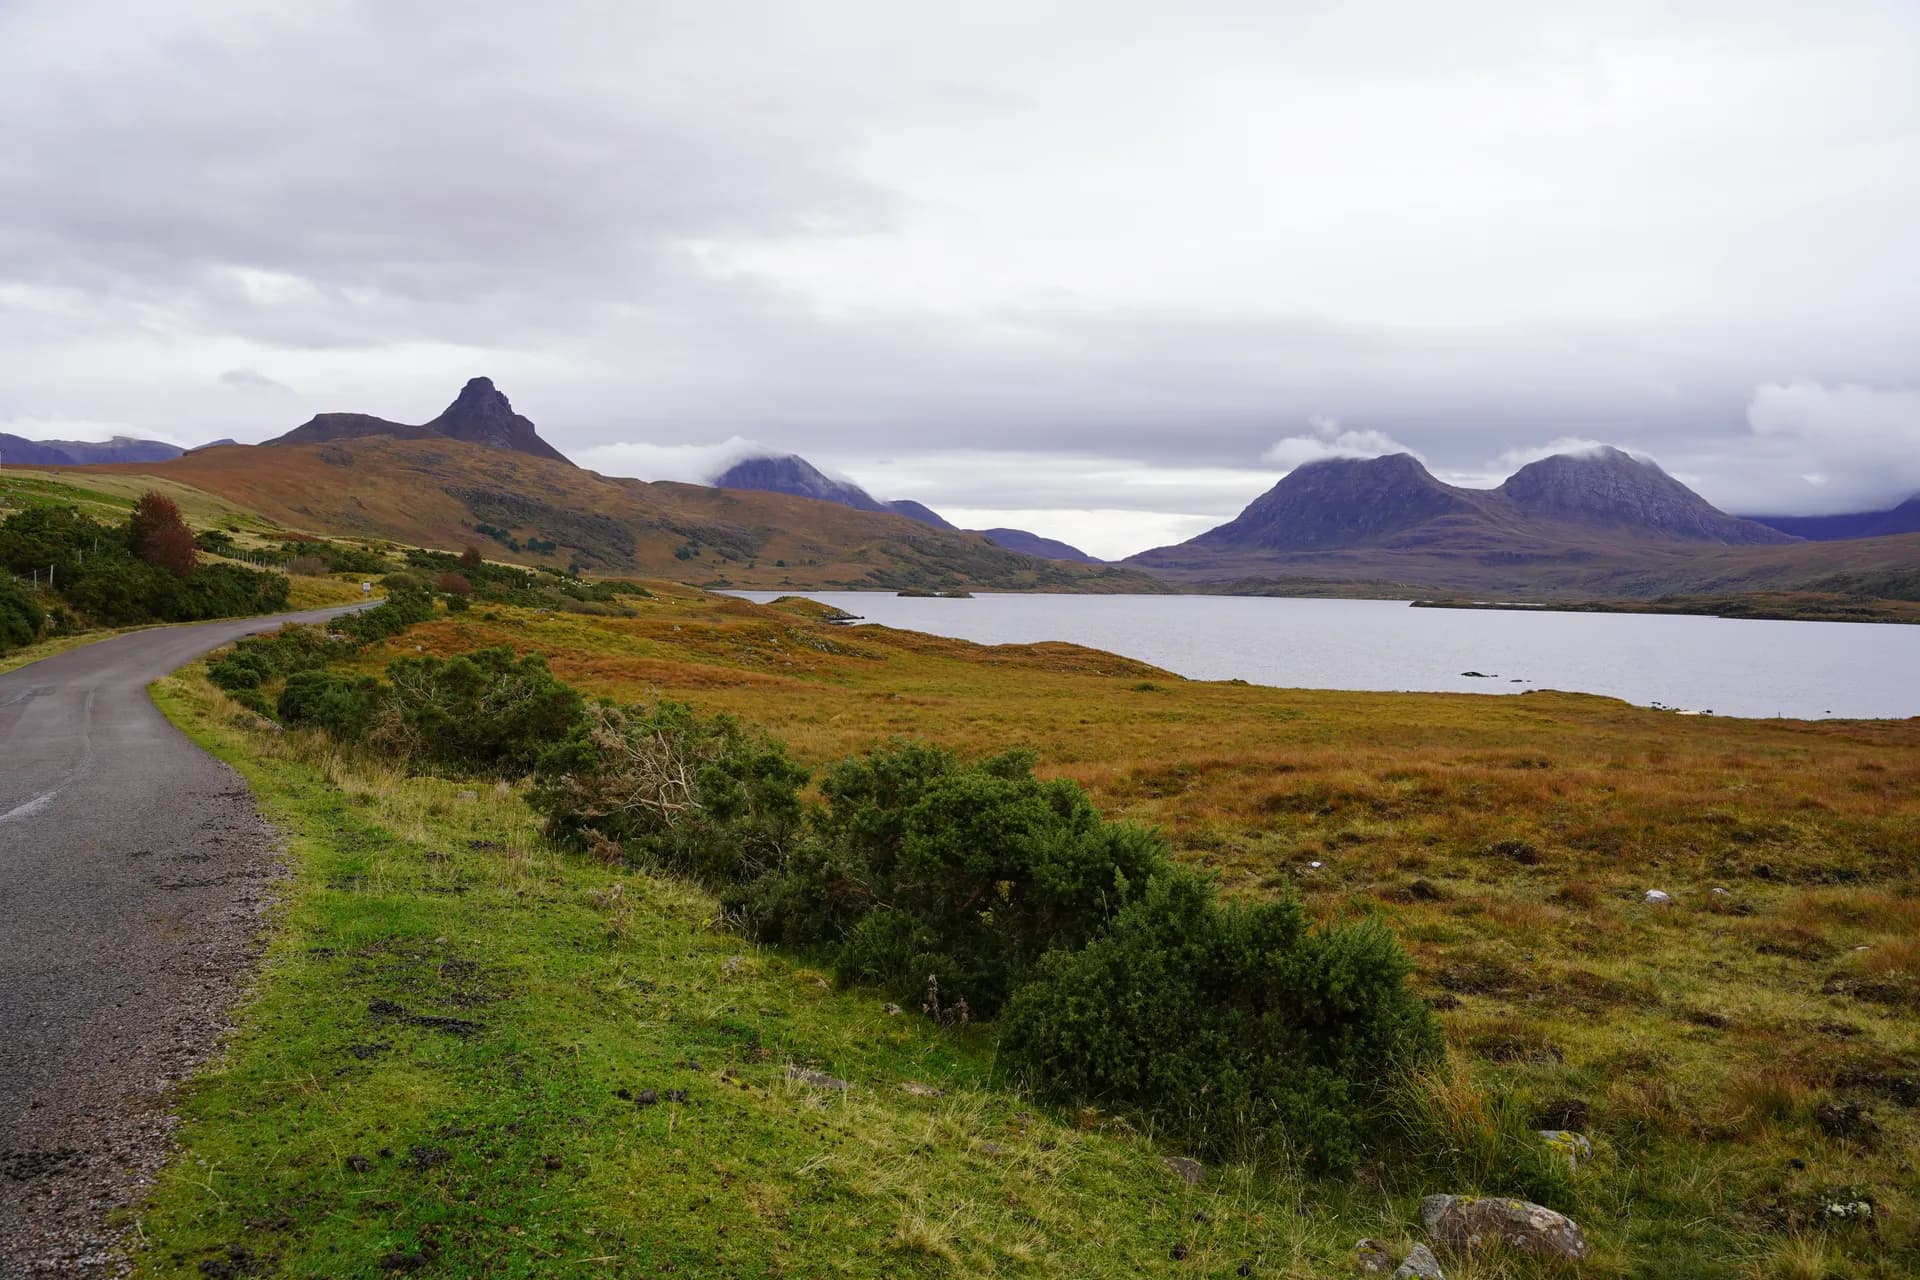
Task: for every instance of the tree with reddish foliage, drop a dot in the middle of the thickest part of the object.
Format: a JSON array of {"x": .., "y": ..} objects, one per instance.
[
  {"x": 159, "y": 535},
  {"x": 470, "y": 558},
  {"x": 453, "y": 584}
]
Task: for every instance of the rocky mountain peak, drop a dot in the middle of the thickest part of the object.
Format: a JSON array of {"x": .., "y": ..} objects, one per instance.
[
  {"x": 480, "y": 415},
  {"x": 791, "y": 474},
  {"x": 1608, "y": 486}
]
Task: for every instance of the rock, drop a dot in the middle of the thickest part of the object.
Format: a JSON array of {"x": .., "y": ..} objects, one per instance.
[
  {"x": 891, "y": 1010},
  {"x": 1658, "y": 897},
  {"x": 1370, "y": 1258},
  {"x": 1420, "y": 1264},
  {"x": 1572, "y": 1147},
  {"x": 919, "y": 1090},
  {"x": 1847, "y": 1121},
  {"x": 1191, "y": 1172},
  {"x": 818, "y": 1079},
  {"x": 1466, "y": 1222}
]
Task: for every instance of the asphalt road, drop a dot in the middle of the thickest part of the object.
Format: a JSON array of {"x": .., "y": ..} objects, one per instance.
[{"x": 133, "y": 867}]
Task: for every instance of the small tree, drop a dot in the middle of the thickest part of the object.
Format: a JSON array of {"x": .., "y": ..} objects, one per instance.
[
  {"x": 453, "y": 584},
  {"x": 159, "y": 535},
  {"x": 470, "y": 558}
]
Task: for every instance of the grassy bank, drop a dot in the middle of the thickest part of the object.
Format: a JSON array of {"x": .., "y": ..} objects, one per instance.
[
  {"x": 1743, "y": 1058},
  {"x": 465, "y": 1056}
]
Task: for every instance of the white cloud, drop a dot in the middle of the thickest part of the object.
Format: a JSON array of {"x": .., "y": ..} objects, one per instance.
[
  {"x": 1841, "y": 447},
  {"x": 1110, "y": 533},
  {"x": 687, "y": 463},
  {"x": 1326, "y": 438}
]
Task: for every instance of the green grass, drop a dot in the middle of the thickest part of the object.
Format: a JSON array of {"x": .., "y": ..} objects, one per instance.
[{"x": 512, "y": 1151}]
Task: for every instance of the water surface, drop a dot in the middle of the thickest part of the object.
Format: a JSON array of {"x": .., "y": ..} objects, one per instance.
[{"x": 1809, "y": 670}]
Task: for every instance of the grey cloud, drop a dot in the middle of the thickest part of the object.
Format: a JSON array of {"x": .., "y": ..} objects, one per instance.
[{"x": 377, "y": 200}]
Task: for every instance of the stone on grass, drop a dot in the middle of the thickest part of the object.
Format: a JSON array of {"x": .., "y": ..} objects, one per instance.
[
  {"x": 1574, "y": 1148},
  {"x": 818, "y": 1079},
  {"x": 1420, "y": 1264},
  {"x": 1370, "y": 1258},
  {"x": 1467, "y": 1222},
  {"x": 1191, "y": 1172},
  {"x": 1658, "y": 897}
]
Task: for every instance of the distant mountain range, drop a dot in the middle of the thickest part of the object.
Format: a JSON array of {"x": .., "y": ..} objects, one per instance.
[
  {"x": 1904, "y": 518},
  {"x": 1595, "y": 524},
  {"x": 480, "y": 415},
  {"x": 791, "y": 474},
  {"x": 21, "y": 452}
]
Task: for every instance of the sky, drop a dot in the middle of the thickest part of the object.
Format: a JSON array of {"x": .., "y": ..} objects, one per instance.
[{"x": 1101, "y": 269}]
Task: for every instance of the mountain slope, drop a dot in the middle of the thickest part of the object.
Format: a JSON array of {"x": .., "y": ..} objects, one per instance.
[
  {"x": 794, "y": 475},
  {"x": 1032, "y": 544},
  {"x": 480, "y": 415},
  {"x": 920, "y": 511},
  {"x": 1904, "y": 518},
  {"x": 21, "y": 452},
  {"x": 447, "y": 493}
]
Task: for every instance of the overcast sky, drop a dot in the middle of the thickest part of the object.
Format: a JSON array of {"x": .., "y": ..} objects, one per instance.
[{"x": 1099, "y": 268}]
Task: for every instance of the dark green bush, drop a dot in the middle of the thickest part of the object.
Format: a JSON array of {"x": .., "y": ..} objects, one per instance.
[
  {"x": 95, "y": 571},
  {"x": 20, "y": 616},
  {"x": 966, "y": 874},
  {"x": 485, "y": 711},
  {"x": 341, "y": 705},
  {"x": 702, "y": 797},
  {"x": 1237, "y": 1027}
]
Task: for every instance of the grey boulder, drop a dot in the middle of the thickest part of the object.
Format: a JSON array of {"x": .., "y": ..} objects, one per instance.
[
  {"x": 1467, "y": 1222},
  {"x": 1420, "y": 1264}
]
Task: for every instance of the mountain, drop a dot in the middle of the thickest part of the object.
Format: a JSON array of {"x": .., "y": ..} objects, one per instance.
[
  {"x": 446, "y": 493},
  {"x": 1032, "y": 544},
  {"x": 1593, "y": 525},
  {"x": 82, "y": 453},
  {"x": 1904, "y": 518},
  {"x": 1342, "y": 502},
  {"x": 792, "y": 474},
  {"x": 480, "y": 415},
  {"x": 1609, "y": 488}
]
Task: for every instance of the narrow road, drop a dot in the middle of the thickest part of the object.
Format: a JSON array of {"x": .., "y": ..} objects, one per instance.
[{"x": 133, "y": 867}]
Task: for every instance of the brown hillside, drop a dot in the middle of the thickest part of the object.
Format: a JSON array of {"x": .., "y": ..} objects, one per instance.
[{"x": 437, "y": 493}]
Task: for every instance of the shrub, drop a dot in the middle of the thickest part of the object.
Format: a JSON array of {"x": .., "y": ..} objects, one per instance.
[
  {"x": 967, "y": 874},
  {"x": 158, "y": 534},
  {"x": 20, "y": 615},
  {"x": 1238, "y": 1028},
  {"x": 486, "y": 710},
  {"x": 702, "y": 797},
  {"x": 307, "y": 566},
  {"x": 453, "y": 584},
  {"x": 319, "y": 699}
]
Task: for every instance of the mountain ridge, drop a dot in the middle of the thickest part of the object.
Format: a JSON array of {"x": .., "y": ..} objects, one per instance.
[{"x": 480, "y": 415}]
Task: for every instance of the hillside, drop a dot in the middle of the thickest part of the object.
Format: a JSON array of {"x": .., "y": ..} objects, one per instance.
[
  {"x": 445, "y": 493},
  {"x": 468, "y": 1052},
  {"x": 1590, "y": 526}
]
